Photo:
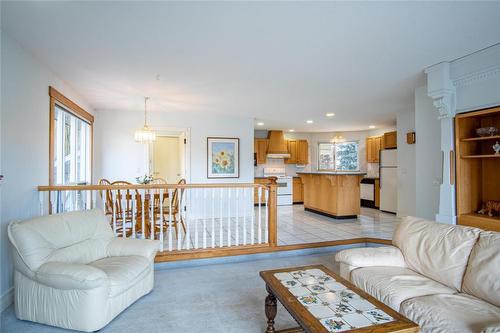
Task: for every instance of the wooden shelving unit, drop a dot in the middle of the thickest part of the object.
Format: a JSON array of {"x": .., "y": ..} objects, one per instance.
[{"x": 477, "y": 168}]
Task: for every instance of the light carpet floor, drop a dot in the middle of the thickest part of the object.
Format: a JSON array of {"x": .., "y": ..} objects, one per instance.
[{"x": 213, "y": 298}]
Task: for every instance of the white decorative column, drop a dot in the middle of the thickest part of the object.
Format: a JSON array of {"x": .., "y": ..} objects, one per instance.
[{"x": 441, "y": 89}]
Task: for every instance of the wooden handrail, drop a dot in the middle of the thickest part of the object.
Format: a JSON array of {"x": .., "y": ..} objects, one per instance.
[{"x": 45, "y": 188}]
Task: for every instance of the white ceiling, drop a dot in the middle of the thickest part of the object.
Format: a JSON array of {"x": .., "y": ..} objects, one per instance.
[{"x": 281, "y": 63}]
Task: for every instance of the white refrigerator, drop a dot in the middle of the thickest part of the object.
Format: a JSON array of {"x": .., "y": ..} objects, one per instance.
[{"x": 388, "y": 180}]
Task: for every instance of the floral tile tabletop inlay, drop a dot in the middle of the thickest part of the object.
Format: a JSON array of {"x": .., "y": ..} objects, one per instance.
[{"x": 337, "y": 307}]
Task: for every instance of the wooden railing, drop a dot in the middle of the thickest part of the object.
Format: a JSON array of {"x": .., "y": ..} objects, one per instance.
[{"x": 183, "y": 217}]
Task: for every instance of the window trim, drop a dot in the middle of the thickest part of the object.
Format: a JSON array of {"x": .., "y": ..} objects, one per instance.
[
  {"x": 57, "y": 98},
  {"x": 334, "y": 157}
]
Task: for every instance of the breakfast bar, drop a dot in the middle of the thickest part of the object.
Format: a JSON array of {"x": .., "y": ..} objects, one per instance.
[{"x": 335, "y": 194}]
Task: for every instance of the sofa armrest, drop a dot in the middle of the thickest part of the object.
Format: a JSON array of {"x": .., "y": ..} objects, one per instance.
[
  {"x": 119, "y": 247},
  {"x": 372, "y": 256},
  {"x": 61, "y": 275}
]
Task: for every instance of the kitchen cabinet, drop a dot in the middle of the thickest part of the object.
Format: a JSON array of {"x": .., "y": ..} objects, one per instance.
[
  {"x": 373, "y": 146},
  {"x": 260, "y": 150},
  {"x": 292, "y": 150},
  {"x": 299, "y": 152},
  {"x": 263, "y": 181},
  {"x": 298, "y": 190},
  {"x": 377, "y": 193},
  {"x": 390, "y": 140}
]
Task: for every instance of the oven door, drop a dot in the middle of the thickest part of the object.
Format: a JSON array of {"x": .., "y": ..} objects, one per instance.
[{"x": 284, "y": 186}]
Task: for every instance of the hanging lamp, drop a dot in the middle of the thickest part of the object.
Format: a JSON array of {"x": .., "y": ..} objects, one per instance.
[{"x": 145, "y": 134}]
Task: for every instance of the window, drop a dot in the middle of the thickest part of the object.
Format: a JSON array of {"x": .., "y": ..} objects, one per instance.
[
  {"x": 70, "y": 152},
  {"x": 340, "y": 156}
]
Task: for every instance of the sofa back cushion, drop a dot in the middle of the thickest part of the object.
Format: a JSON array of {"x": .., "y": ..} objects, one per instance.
[
  {"x": 482, "y": 278},
  {"x": 77, "y": 237},
  {"x": 438, "y": 251}
]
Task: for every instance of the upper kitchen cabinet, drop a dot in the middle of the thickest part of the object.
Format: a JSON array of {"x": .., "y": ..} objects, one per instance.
[
  {"x": 298, "y": 150},
  {"x": 260, "y": 149},
  {"x": 373, "y": 146},
  {"x": 390, "y": 140}
]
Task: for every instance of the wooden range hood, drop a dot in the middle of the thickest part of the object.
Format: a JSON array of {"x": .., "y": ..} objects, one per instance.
[{"x": 277, "y": 145}]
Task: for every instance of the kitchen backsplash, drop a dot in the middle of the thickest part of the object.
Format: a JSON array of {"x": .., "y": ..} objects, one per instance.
[{"x": 291, "y": 169}]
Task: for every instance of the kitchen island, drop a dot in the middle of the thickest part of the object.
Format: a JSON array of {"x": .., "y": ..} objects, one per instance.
[{"x": 335, "y": 194}]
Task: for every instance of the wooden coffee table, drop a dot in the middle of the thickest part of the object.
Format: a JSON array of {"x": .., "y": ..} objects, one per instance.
[{"x": 322, "y": 302}]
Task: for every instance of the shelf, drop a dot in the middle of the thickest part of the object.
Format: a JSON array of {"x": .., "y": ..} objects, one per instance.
[
  {"x": 481, "y": 138},
  {"x": 480, "y": 221},
  {"x": 481, "y": 156}
]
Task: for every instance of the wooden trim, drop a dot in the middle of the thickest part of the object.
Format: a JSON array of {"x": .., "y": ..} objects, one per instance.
[
  {"x": 171, "y": 256},
  {"x": 51, "y": 139},
  {"x": 70, "y": 105},
  {"x": 452, "y": 167},
  {"x": 46, "y": 188},
  {"x": 272, "y": 212}
]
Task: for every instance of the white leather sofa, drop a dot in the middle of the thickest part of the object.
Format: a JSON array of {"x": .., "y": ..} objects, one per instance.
[
  {"x": 70, "y": 271},
  {"x": 445, "y": 278}
]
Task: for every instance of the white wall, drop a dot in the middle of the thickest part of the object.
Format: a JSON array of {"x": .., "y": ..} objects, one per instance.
[
  {"x": 24, "y": 140},
  {"x": 406, "y": 165},
  {"x": 428, "y": 156},
  {"x": 119, "y": 157}
]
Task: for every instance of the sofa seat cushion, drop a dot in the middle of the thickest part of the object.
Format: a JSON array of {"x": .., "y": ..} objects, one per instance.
[
  {"x": 393, "y": 285},
  {"x": 123, "y": 272},
  {"x": 482, "y": 278},
  {"x": 457, "y": 313}
]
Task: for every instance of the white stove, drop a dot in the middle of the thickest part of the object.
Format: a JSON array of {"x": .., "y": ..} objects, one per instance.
[{"x": 285, "y": 185}]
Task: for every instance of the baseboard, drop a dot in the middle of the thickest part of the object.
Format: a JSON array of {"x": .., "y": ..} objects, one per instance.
[{"x": 6, "y": 299}]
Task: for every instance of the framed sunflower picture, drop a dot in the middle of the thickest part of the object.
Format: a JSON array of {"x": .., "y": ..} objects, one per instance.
[{"x": 223, "y": 157}]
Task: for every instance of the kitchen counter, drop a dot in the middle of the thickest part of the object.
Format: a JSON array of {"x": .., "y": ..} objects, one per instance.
[{"x": 335, "y": 194}]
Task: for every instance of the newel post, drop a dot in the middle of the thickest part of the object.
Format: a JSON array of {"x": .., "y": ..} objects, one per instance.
[{"x": 272, "y": 211}]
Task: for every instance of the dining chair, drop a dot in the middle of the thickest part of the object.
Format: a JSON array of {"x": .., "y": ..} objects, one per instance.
[
  {"x": 124, "y": 209},
  {"x": 108, "y": 208},
  {"x": 176, "y": 210}
]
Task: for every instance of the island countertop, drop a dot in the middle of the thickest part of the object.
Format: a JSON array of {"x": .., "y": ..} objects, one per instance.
[{"x": 334, "y": 173}]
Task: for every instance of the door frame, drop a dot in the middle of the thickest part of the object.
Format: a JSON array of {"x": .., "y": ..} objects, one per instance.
[{"x": 173, "y": 131}]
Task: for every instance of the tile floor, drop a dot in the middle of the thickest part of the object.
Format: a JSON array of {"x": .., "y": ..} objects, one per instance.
[{"x": 213, "y": 298}]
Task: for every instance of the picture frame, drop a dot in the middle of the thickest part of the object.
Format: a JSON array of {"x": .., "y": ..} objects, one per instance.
[{"x": 223, "y": 157}]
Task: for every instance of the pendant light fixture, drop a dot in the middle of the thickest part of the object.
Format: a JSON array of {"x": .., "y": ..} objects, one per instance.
[{"x": 145, "y": 134}]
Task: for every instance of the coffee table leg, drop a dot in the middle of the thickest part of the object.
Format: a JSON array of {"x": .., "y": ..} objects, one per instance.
[{"x": 271, "y": 310}]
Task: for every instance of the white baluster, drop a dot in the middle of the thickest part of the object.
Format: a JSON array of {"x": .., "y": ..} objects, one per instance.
[
  {"x": 259, "y": 229},
  {"x": 94, "y": 199},
  {"x": 40, "y": 199},
  {"x": 134, "y": 212},
  {"x": 221, "y": 238},
  {"x": 204, "y": 218},
  {"x": 113, "y": 196},
  {"x": 143, "y": 208},
  {"x": 103, "y": 196},
  {"x": 180, "y": 198},
  {"x": 213, "y": 217},
  {"x": 237, "y": 238},
  {"x": 152, "y": 213},
  {"x": 197, "y": 213},
  {"x": 188, "y": 218},
  {"x": 170, "y": 219},
  {"x": 245, "y": 190},
  {"x": 252, "y": 217},
  {"x": 161, "y": 219},
  {"x": 266, "y": 232},
  {"x": 228, "y": 216},
  {"x": 124, "y": 211}
]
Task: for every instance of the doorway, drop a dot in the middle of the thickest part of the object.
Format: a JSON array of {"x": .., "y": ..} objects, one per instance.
[{"x": 168, "y": 157}]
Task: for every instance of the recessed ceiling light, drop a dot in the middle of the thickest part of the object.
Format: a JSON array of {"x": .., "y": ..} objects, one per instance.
[
  {"x": 309, "y": 121},
  {"x": 330, "y": 114},
  {"x": 291, "y": 130},
  {"x": 260, "y": 124},
  {"x": 371, "y": 126}
]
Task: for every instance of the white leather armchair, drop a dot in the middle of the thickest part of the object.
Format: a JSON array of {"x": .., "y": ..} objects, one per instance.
[{"x": 71, "y": 272}]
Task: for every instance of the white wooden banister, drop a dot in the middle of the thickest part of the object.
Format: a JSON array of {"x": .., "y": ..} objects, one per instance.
[{"x": 203, "y": 216}]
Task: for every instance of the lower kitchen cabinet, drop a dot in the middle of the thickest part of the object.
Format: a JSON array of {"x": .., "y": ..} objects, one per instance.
[{"x": 298, "y": 190}]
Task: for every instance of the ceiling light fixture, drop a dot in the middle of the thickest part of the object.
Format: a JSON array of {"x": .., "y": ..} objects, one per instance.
[
  {"x": 291, "y": 130},
  {"x": 330, "y": 114},
  {"x": 260, "y": 124},
  {"x": 371, "y": 126},
  {"x": 145, "y": 134},
  {"x": 309, "y": 121}
]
